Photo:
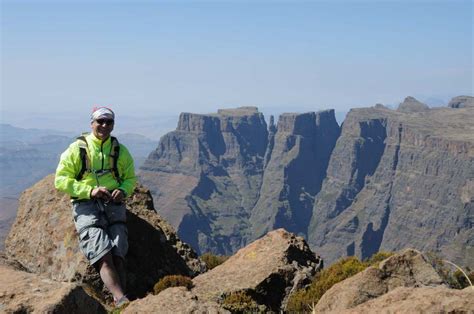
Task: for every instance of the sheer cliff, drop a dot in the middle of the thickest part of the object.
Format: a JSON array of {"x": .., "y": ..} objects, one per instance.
[
  {"x": 387, "y": 179},
  {"x": 399, "y": 179}
]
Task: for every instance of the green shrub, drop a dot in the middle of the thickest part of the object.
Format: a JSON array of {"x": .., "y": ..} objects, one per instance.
[
  {"x": 375, "y": 259},
  {"x": 212, "y": 260},
  {"x": 172, "y": 281},
  {"x": 303, "y": 300},
  {"x": 241, "y": 302}
]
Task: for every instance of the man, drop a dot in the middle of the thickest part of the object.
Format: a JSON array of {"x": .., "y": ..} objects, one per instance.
[{"x": 98, "y": 173}]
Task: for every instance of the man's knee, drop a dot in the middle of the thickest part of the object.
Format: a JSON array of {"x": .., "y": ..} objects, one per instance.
[{"x": 107, "y": 261}]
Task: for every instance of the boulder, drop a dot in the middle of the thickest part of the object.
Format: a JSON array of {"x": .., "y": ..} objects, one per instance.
[
  {"x": 268, "y": 269},
  {"x": 174, "y": 300},
  {"x": 43, "y": 239},
  {"x": 420, "y": 300},
  {"x": 407, "y": 269},
  {"x": 22, "y": 292}
]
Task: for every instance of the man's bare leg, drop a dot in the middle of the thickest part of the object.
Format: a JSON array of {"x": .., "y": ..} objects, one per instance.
[
  {"x": 121, "y": 271},
  {"x": 110, "y": 277}
]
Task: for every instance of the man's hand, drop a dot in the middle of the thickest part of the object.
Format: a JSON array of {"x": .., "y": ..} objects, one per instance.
[
  {"x": 101, "y": 193},
  {"x": 117, "y": 195}
]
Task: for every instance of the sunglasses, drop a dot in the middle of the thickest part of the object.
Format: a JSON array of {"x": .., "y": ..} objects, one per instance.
[{"x": 106, "y": 121}]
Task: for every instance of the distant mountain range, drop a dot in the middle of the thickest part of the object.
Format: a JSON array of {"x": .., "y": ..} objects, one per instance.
[{"x": 386, "y": 179}]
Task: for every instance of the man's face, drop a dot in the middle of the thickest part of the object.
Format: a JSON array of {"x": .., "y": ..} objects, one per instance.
[{"x": 102, "y": 128}]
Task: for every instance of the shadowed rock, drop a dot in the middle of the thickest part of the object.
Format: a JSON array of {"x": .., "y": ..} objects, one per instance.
[{"x": 43, "y": 239}]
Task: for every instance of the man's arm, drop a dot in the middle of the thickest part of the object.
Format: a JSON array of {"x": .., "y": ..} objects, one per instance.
[
  {"x": 65, "y": 179},
  {"x": 127, "y": 171}
]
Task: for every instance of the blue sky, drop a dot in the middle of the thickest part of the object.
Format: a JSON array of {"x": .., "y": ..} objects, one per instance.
[{"x": 150, "y": 58}]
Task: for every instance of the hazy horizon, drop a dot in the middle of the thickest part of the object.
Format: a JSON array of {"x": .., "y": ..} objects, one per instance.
[{"x": 152, "y": 60}]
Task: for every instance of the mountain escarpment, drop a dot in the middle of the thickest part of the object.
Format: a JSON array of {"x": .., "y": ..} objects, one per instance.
[
  {"x": 398, "y": 180},
  {"x": 387, "y": 179},
  {"x": 225, "y": 179}
]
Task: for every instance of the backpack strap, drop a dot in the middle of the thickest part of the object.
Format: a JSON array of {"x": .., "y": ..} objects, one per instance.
[
  {"x": 114, "y": 156},
  {"x": 85, "y": 161}
]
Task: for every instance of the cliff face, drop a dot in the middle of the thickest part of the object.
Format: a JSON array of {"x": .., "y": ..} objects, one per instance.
[
  {"x": 225, "y": 179},
  {"x": 295, "y": 172},
  {"x": 384, "y": 181},
  {"x": 406, "y": 181}
]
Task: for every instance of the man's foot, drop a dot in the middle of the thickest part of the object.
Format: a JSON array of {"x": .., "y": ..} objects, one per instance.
[{"x": 122, "y": 301}]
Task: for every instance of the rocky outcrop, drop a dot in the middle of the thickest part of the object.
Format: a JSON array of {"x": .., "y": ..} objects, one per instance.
[
  {"x": 223, "y": 180},
  {"x": 419, "y": 300},
  {"x": 22, "y": 292},
  {"x": 268, "y": 270},
  {"x": 398, "y": 180},
  {"x": 43, "y": 240},
  {"x": 462, "y": 102},
  {"x": 411, "y": 104},
  {"x": 405, "y": 282},
  {"x": 408, "y": 269}
]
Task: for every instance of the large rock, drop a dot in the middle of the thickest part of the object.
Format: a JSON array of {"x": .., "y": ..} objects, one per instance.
[
  {"x": 419, "y": 300},
  {"x": 407, "y": 269},
  {"x": 268, "y": 270},
  {"x": 174, "y": 300},
  {"x": 22, "y": 292},
  {"x": 43, "y": 239}
]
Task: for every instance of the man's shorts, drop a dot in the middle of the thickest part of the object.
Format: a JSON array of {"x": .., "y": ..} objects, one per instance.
[{"x": 101, "y": 232}]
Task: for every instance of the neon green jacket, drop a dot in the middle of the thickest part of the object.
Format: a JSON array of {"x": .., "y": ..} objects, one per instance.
[{"x": 70, "y": 165}]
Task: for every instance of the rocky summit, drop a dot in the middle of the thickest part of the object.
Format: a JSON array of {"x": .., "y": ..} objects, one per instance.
[
  {"x": 385, "y": 180},
  {"x": 43, "y": 240}
]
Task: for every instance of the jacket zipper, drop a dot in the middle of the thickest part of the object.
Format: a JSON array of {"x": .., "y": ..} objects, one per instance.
[{"x": 102, "y": 155}]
